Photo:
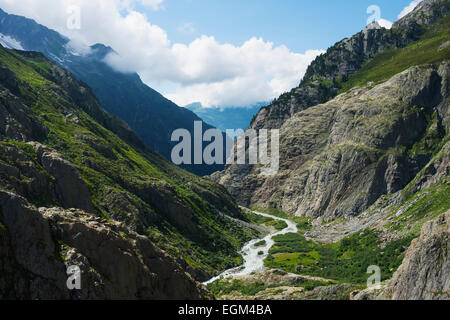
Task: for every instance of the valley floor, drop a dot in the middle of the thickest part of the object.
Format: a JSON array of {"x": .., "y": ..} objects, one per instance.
[{"x": 313, "y": 260}]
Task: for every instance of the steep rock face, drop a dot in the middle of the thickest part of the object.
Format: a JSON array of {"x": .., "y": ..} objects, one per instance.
[
  {"x": 38, "y": 245},
  {"x": 338, "y": 158},
  {"x": 59, "y": 148},
  {"x": 321, "y": 81},
  {"x": 444, "y": 107},
  {"x": 425, "y": 271},
  {"x": 15, "y": 120},
  {"x": 70, "y": 189},
  {"x": 426, "y": 13},
  {"x": 324, "y": 76},
  {"x": 378, "y": 145}
]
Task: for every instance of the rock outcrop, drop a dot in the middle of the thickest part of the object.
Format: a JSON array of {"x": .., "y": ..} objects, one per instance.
[
  {"x": 70, "y": 189},
  {"x": 425, "y": 271},
  {"x": 37, "y": 247},
  {"x": 279, "y": 285},
  {"x": 16, "y": 121},
  {"x": 427, "y": 12}
]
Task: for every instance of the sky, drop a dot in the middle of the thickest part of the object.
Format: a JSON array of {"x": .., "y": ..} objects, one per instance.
[{"x": 217, "y": 52}]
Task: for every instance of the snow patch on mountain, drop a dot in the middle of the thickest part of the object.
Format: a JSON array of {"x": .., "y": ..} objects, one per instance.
[{"x": 10, "y": 43}]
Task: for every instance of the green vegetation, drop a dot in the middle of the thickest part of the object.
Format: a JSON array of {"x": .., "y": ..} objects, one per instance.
[
  {"x": 130, "y": 184},
  {"x": 389, "y": 63},
  {"x": 223, "y": 287},
  {"x": 303, "y": 224},
  {"x": 269, "y": 222},
  {"x": 432, "y": 140},
  {"x": 422, "y": 206},
  {"x": 272, "y": 211},
  {"x": 256, "y": 219},
  {"x": 260, "y": 243},
  {"x": 346, "y": 261}
]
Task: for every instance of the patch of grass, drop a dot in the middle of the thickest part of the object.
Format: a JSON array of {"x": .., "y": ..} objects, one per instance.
[
  {"x": 277, "y": 224},
  {"x": 425, "y": 205},
  {"x": 224, "y": 287},
  {"x": 303, "y": 224},
  {"x": 255, "y": 218},
  {"x": 346, "y": 261}
]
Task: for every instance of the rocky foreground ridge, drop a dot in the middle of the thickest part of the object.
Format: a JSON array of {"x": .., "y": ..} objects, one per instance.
[{"x": 38, "y": 245}]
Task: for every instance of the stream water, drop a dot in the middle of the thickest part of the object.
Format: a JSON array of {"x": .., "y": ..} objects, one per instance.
[{"x": 253, "y": 261}]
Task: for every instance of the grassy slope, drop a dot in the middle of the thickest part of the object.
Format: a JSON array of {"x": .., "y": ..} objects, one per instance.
[
  {"x": 389, "y": 63},
  {"x": 107, "y": 163},
  {"x": 347, "y": 260}
]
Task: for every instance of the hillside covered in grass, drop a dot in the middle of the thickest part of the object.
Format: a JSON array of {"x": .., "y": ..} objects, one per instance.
[{"x": 122, "y": 180}]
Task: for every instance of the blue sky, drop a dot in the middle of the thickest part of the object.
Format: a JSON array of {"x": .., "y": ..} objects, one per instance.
[
  {"x": 298, "y": 24},
  {"x": 221, "y": 53}
]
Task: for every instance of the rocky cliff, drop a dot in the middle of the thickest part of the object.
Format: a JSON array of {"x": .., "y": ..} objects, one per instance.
[
  {"x": 337, "y": 158},
  {"x": 364, "y": 156},
  {"x": 59, "y": 149},
  {"x": 425, "y": 271}
]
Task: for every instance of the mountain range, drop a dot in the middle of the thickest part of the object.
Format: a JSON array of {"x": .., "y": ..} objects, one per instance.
[
  {"x": 230, "y": 118},
  {"x": 365, "y": 148},
  {"x": 121, "y": 94},
  {"x": 364, "y": 174}
]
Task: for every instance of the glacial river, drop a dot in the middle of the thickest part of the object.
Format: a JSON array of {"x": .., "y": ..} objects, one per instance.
[{"x": 252, "y": 260}]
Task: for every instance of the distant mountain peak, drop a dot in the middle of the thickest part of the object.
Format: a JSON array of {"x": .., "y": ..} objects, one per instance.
[{"x": 100, "y": 49}]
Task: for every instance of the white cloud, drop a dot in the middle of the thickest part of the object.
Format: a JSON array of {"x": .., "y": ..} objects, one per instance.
[
  {"x": 203, "y": 71},
  {"x": 256, "y": 71},
  {"x": 187, "y": 27},
  {"x": 409, "y": 8},
  {"x": 385, "y": 23}
]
